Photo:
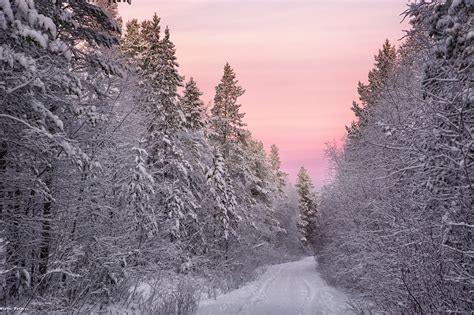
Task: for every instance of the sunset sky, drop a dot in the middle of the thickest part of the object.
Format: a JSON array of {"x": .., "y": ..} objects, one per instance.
[{"x": 299, "y": 61}]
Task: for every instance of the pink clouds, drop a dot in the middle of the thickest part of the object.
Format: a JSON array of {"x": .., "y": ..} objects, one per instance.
[{"x": 298, "y": 60}]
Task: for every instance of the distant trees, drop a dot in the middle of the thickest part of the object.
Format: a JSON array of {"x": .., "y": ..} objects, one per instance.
[{"x": 397, "y": 219}]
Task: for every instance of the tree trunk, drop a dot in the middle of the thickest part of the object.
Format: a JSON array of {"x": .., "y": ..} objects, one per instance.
[{"x": 45, "y": 233}]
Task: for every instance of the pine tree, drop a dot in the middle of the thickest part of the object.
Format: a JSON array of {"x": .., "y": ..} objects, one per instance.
[
  {"x": 226, "y": 120},
  {"x": 150, "y": 33},
  {"x": 167, "y": 162},
  {"x": 170, "y": 81},
  {"x": 132, "y": 40},
  {"x": 385, "y": 61},
  {"x": 160, "y": 77},
  {"x": 275, "y": 162},
  {"x": 224, "y": 212},
  {"x": 258, "y": 172},
  {"x": 192, "y": 106},
  {"x": 140, "y": 190},
  {"x": 159, "y": 69},
  {"x": 307, "y": 205}
]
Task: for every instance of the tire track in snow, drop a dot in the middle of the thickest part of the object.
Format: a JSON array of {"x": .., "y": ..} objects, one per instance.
[
  {"x": 262, "y": 292},
  {"x": 310, "y": 297},
  {"x": 287, "y": 289}
]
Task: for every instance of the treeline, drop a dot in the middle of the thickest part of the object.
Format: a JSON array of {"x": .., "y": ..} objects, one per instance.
[
  {"x": 112, "y": 179},
  {"x": 397, "y": 224}
]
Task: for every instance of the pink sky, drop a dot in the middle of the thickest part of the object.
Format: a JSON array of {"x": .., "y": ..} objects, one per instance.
[{"x": 299, "y": 61}]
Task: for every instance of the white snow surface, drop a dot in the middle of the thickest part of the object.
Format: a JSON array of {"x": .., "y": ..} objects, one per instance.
[{"x": 291, "y": 288}]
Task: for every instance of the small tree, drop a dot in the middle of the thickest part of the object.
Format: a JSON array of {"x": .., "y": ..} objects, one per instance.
[
  {"x": 307, "y": 206},
  {"x": 275, "y": 162}
]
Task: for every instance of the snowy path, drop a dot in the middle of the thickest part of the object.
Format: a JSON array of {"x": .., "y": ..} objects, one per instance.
[{"x": 286, "y": 289}]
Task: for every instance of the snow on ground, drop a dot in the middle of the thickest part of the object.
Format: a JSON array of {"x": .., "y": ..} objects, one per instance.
[{"x": 291, "y": 288}]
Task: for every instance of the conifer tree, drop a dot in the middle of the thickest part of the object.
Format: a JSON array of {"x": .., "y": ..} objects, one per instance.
[
  {"x": 307, "y": 206},
  {"x": 161, "y": 79},
  {"x": 132, "y": 40},
  {"x": 167, "y": 80},
  {"x": 166, "y": 160},
  {"x": 226, "y": 119},
  {"x": 192, "y": 106},
  {"x": 150, "y": 32},
  {"x": 385, "y": 61},
  {"x": 225, "y": 217},
  {"x": 275, "y": 162},
  {"x": 258, "y": 172}
]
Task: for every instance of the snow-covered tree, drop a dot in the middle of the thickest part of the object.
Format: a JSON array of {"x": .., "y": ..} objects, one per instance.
[
  {"x": 226, "y": 119},
  {"x": 110, "y": 8},
  {"x": 176, "y": 202},
  {"x": 224, "y": 212},
  {"x": 192, "y": 106},
  {"x": 275, "y": 162},
  {"x": 47, "y": 52},
  {"x": 258, "y": 172},
  {"x": 107, "y": 176},
  {"x": 307, "y": 205},
  {"x": 132, "y": 40},
  {"x": 368, "y": 93},
  {"x": 160, "y": 74},
  {"x": 395, "y": 220},
  {"x": 448, "y": 149}
]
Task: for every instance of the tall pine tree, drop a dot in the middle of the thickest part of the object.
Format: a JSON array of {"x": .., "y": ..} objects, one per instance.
[{"x": 226, "y": 119}]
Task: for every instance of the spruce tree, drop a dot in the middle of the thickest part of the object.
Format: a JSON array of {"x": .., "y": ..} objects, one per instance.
[
  {"x": 132, "y": 40},
  {"x": 224, "y": 215},
  {"x": 307, "y": 205},
  {"x": 226, "y": 119},
  {"x": 385, "y": 61},
  {"x": 167, "y": 162},
  {"x": 258, "y": 172},
  {"x": 160, "y": 78},
  {"x": 192, "y": 106},
  {"x": 150, "y": 32},
  {"x": 168, "y": 80},
  {"x": 275, "y": 162}
]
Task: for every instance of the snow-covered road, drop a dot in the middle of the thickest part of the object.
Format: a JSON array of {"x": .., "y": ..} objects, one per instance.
[{"x": 290, "y": 288}]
